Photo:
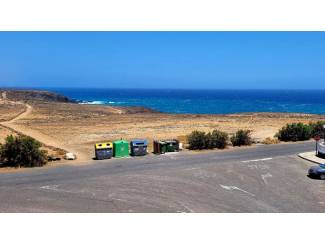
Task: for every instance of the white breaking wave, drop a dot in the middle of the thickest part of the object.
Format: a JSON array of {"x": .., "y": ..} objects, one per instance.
[
  {"x": 100, "y": 102},
  {"x": 93, "y": 102}
]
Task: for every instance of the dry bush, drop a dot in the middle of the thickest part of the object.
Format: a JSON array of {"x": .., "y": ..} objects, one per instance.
[{"x": 270, "y": 140}]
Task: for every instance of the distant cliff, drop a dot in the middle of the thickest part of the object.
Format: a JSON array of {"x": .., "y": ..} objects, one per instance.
[
  {"x": 42, "y": 96},
  {"x": 35, "y": 95}
]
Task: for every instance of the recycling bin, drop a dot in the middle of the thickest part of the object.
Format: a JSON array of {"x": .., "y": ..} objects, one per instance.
[
  {"x": 103, "y": 150},
  {"x": 120, "y": 148},
  {"x": 138, "y": 147},
  {"x": 159, "y": 147},
  {"x": 172, "y": 145}
]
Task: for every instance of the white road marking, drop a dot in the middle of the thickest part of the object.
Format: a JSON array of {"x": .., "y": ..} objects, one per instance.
[
  {"x": 256, "y": 160},
  {"x": 50, "y": 187},
  {"x": 230, "y": 188},
  {"x": 259, "y": 166},
  {"x": 192, "y": 168},
  {"x": 268, "y": 175},
  {"x": 54, "y": 188},
  {"x": 185, "y": 207}
]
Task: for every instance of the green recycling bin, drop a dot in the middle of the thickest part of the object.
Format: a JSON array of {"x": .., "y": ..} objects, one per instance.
[
  {"x": 172, "y": 145},
  {"x": 120, "y": 148}
]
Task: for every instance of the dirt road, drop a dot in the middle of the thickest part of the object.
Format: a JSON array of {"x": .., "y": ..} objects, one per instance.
[{"x": 44, "y": 139}]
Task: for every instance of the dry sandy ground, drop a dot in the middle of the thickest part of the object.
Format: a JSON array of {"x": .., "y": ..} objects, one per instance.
[
  {"x": 8, "y": 111},
  {"x": 77, "y": 127},
  {"x": 13, "y": 111}
]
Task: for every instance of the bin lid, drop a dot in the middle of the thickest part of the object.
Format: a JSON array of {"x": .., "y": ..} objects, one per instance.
[
  {"x": 171, "y": 141},
  {"x": 160, "y": 141},
  {"x": 120, "y": 142},
  {"x": 139, "y": 141},
  {"x": 103, "y": 145}
]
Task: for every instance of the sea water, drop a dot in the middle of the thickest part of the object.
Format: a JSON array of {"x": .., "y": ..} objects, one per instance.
[{"x": 204, "y": 101}]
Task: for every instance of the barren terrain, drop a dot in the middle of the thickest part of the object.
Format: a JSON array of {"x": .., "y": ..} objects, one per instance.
[
  {"x": 76, "y": 127},
  {"x": 8, "y": 111}
]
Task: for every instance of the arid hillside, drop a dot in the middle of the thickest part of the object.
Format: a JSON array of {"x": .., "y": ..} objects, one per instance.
[{"x": 34, "y": 96}]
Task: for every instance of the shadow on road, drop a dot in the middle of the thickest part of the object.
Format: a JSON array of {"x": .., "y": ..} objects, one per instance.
[{"x": 313, "y": 177}]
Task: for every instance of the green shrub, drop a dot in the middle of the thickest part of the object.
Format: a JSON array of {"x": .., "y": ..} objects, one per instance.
[
  {"x": 294, "y": 132},
  {"x": 317, "y": 128},
  {"x": 208, "y": 141},
  {"x": 22, "y": 151},
  {"x": 241, "y": 137},
  {"x": 197, "y": 140},
  {"x": 219, "y": 139}
]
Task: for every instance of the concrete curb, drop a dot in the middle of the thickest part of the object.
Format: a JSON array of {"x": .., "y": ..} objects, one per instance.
[{"x": 311, "y": 157}]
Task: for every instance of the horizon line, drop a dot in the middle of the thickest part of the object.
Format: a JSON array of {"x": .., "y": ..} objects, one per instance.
[{"x": 162, "y": 88}]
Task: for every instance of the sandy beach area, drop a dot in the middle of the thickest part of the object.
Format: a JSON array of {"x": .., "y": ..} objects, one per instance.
[{"x": 76, "y": 127}]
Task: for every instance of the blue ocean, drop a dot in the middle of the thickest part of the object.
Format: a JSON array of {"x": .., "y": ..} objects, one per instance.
[{"x": 204, "y": 101}]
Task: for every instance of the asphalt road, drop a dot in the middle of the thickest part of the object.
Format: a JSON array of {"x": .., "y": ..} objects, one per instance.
[{"x": 266, "y": 178}]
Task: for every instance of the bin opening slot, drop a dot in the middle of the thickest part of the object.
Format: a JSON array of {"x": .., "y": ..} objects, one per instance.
[{"x": 139, "y": 144}]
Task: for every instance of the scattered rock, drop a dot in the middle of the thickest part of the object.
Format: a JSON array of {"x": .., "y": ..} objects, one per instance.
[{"x": 70, "y": 156}]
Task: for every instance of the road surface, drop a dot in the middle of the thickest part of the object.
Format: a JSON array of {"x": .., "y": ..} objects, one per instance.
[{"x": 265, "y": 178}]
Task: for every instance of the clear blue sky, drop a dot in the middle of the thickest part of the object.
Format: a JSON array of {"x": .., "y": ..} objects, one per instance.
[{"x": 243, "y": 60}]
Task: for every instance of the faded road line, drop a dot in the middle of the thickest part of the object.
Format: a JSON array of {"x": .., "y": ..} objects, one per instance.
[
  {"x": 55, "y": 188},
  {"x": 256, "y": 160},
  {"x": 230, "y": 188},
  {"x": 268, "y": 175}
]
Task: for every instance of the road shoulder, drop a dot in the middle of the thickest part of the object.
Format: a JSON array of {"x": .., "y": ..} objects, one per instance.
[{"x": 311, "y": 157}]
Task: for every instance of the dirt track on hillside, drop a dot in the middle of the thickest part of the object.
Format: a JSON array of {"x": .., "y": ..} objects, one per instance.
[{"x": 41, "y": 137}]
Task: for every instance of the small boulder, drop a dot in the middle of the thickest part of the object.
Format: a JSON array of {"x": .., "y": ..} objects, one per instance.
[{"x": 70, "y": 156}]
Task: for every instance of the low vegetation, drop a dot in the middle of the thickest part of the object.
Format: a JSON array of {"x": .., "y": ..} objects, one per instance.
[
  {"x": 295, "y": 132},
  {"x": 301, "y": 132},
  {"x": 269, "y": 141},
  {"x": 199, "y": 140},
  {"x": 241, "y": 138},
  {"x": 219, "y": 139},
  {"x": 22, "y": 151},
  {"x": 317, "y": 128}
]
